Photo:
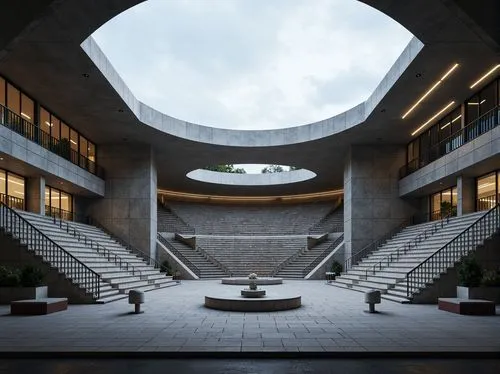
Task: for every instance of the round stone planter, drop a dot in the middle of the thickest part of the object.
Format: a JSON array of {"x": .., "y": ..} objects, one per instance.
[
  {"x": 262, "y": 304},
  {"x": 253, "y": 293},
  {"x": 245, "y": 281}
]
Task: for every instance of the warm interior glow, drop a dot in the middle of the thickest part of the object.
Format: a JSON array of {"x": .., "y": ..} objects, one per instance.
[
  {"x": 453, "y": 121},
  {"x": 430, "y": 90},
  {"x": 485, "y": 76},
  {"x": 432, "y": 118},
  {"x": 25, "y": 115},
  {"x": 326, "y": 195}
]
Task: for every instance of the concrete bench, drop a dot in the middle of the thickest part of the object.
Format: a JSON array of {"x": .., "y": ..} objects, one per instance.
[
  {"x": 472, "y": 307},
  {"x": 38, "y": 306}
]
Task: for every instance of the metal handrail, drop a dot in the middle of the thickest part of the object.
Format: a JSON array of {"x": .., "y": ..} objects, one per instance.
[
  {"x": 211, "y": 258},
  {"x": 334, "y": 209},
  {"x": 486, "y": 202},
  {"x": 179, "y": 255},
  {"x": 322, "y": 256},
  {"x": 58, "y": 257},
  {"x": 52, "y": 211},
  {"x": 470, "y": 132},
  {"x": 16, "y": 123},
  {"x": 190, "y": 229},
  {"x": 12, "y": 201},
  {"x": 403, "y": 249},
  {"x": 150, "y": 260},
  {"x": 110, "y": 255},
  {"x": 460, "y": 246},
  {"x": 368, "y": 249}
]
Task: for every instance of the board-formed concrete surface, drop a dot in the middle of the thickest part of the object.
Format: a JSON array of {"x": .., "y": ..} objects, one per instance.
[{"x": 175, "y": 320}]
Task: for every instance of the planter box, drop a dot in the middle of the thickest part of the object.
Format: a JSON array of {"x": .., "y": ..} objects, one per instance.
[
  {"x": 482, "y": 293},
  {"x": 8, "y": 294}
]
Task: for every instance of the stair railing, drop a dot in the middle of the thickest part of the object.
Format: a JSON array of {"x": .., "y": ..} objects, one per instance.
[
  {"x": 370, "y": 248},
  {"x": 462, "y": 245},
  {"x": 288, "y": 260},
  {"x": 178, "y": 254},
  {"x": 211, "y": 258},
  {"x": 406, "y": 247},
  {"x": 332, "y": 211},
  {"x": 322, "y": 256},
  {"x": 41, "y": 245},
  {"x": 188, "y": 228},
  {"x": 108, "y": 254},
  {"x": 130, "y": 248}
]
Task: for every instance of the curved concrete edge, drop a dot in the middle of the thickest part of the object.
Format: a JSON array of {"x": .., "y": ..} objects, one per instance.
[
  {"x": 265, "y": 179},
  {"x": 246, "y": 281},
  {"x": 253, "y": 305},
  {"x": 185, "y": 269},
  {"x": 250, "y": 138}
]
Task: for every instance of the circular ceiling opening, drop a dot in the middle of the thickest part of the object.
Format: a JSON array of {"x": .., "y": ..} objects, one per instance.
[
  {"x": 232, "y": 64},
  {"x": 251, "y": 179}
]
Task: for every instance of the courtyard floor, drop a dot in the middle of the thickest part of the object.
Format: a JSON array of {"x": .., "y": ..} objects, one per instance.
[{"x": 175, "y": 320}]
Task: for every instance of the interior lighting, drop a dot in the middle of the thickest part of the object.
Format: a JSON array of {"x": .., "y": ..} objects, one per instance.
[
  {"x": 25, "y": 115},
  {"x": 72, "y": 141},
  {"x": 446, "y": 75},
  {"x": 486, "y": 185},
  {"x": 452, "y": 121},
  {"x": 432, "y": 118},
  {"x": 49, "y": 124},
  {"x": 485, "y": 76}
]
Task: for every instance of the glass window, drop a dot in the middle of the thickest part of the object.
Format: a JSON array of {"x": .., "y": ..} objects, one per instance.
[
  {"x": 55, "y": 198},
  {"x": 487, "y": 98},
  {"x": 435, "y": 203},
  {"x": 83, "y": 146},
  {"x": 56, "y": 127},
  {"x": 45, "y": 124},
  {"x": 66, "y": 202},
  {"x": 15, "y": 186},
  {"x": 91, "y": 152},
  {"x": 74, "y": 140},
  {"x": 13, "y": 99},
  {"x": 3, "y": 183},
  {"x": 47, "y": 196},
  {"x": 454, "y": 196},
  {"x": 64, "y": 131},
  {"x": 486, "y": 192},
  {"x": 2, "y": 91},
  {"x": 27, "y": 108}
]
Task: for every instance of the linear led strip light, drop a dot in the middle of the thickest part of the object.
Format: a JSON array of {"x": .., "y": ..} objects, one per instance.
[
  {"x": 485, "y": 76},
  {"x": 433, "y": 118},
  {"x": 446, "y": 75}
]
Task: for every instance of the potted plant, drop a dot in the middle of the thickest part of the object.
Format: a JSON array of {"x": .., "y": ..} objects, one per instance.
[
  {"x": 474, "y": 283},
  {"x": 446, "y": 208},
  {"x": 165, "y": 268},
  {"x": 21, "y": 285}
]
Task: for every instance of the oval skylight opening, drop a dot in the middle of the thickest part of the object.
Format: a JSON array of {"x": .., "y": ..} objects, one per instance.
[
  {"x": 251, "y": 179},
  {"x": 233, "y": 64}
]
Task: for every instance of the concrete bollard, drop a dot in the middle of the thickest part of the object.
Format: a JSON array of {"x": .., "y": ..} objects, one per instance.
[
  {"x": 136, "y": 297},
  {"x": 372, "y": 297}
]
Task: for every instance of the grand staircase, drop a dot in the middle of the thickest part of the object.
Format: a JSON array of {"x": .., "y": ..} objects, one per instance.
[
  {"x": 195, "y": 260},
  {"x": 387, "y": 268},
  {"x": 119, "y": 269}
]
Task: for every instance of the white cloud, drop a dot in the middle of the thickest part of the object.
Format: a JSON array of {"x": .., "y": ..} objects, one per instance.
[{"x": 252, "y": 64}]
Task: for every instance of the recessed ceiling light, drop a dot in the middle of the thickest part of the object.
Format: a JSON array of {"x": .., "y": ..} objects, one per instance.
[
  {"x": 85, "y": 75},
  {"x": 120, "y": 110},
  {"x": 446, "y": 75},
  {"x": 1, "y": 158},
  {"x": 383, "y": 111},
  {"x": 418, "y": 75}
]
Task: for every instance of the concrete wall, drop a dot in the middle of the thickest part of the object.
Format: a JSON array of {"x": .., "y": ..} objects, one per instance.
[
  {"x": 35, "y": 155},
  {"x": 466, "y": 195},
  {"x": 17, "y": 256},
  {"x": 372, "y": 205},
  {"x": 128, "y": 209}
]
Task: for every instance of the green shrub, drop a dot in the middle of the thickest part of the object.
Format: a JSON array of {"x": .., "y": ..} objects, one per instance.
[
  {"x": 9, "y": 277},
  {"x": 31, "y": 277},
  {"x": 491, "y": 278},
  {"x": 470, "y": 273},
  {"x": 336, "y": 267}
]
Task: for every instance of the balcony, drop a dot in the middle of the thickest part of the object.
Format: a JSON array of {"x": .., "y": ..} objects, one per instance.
[
  {"x": 483, "y": 124},
  {"x": 60, "y": 147}
]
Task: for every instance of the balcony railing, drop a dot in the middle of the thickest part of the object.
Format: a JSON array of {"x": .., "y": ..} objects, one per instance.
[
  {"x": 478, "y": 127},
  {"x": 54, "y": 212},
  {"x": 487, "y": 202},
  {"x": 60, "y": 147},
  {"x": 12, "y": 201}
]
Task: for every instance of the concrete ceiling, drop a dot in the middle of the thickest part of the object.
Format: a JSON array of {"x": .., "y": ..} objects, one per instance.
[{"x": 45, "y": 58}]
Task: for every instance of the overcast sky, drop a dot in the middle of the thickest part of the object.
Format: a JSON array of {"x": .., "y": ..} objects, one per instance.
[{"x": 252, "y": 64}]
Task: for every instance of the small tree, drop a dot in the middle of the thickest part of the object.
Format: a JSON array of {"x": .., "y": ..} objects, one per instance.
[
  {"x": 470, "y": 273},
  {"x": 273, "y": 169},
  {"x": 226, "y": 168}
]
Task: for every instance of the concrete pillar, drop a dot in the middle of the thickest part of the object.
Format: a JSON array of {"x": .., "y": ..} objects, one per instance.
[
  {"x": 128, "y": 208},
  {"x": 466, "y": 192},
  {"x": 372, "y": 206},
  {"x": 35, "y": 195}
]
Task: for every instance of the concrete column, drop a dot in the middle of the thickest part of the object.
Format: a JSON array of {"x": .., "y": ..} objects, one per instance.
[
  {"x": 128, "y": 208},
  {"x": 372, "y": 206},
  {"x": 35, "y": 195},
  {"x": 466, "y": 193}
]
